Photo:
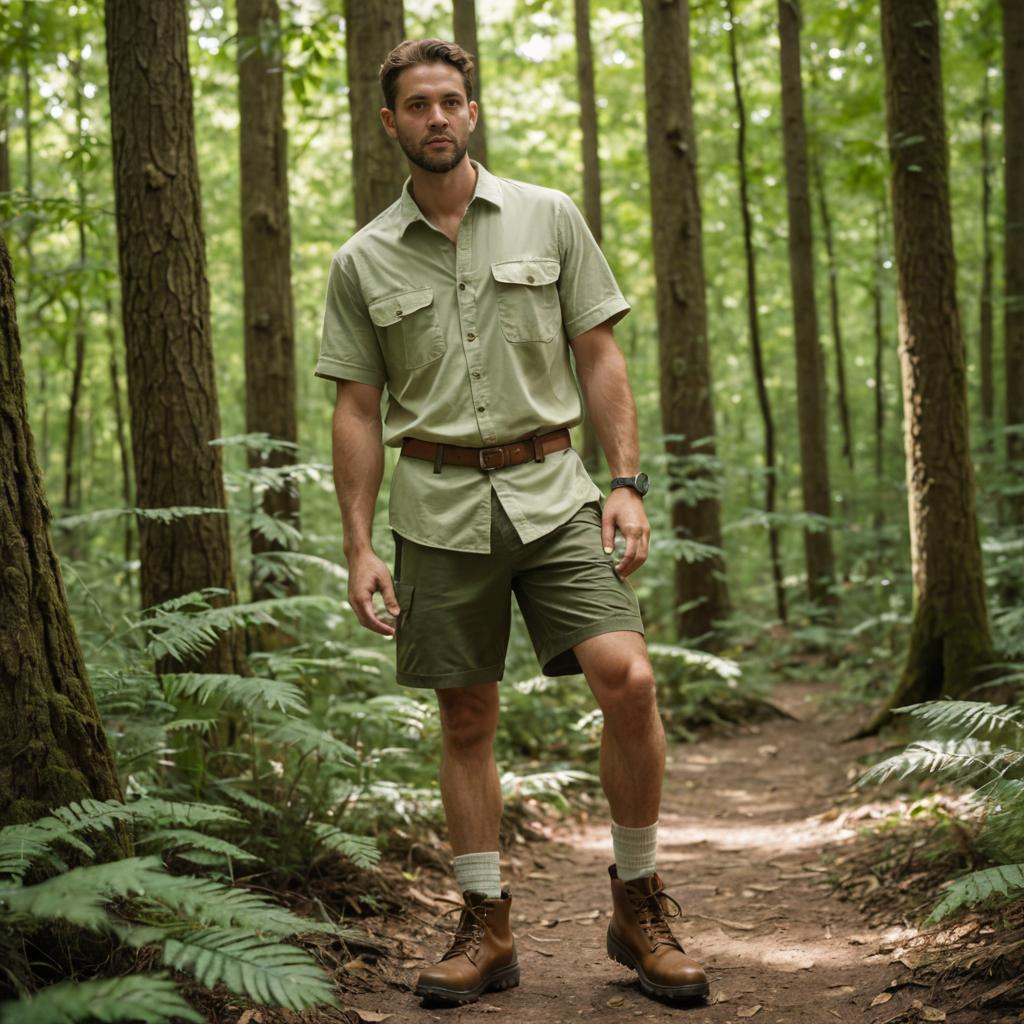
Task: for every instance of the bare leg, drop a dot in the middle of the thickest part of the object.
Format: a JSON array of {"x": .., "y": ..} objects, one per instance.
[
  {"x": 633, "y": 741},
  {"x": 470, "y": 789}
]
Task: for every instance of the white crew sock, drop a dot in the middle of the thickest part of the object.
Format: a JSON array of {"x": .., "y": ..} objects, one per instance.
[
  {"x": 635, "y": 850},
  {"x": 479, "y": 872}
]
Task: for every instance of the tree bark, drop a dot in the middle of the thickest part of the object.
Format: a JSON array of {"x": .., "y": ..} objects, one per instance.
[
  {"x": 591, "y": 178},
  {"x": 464, "y": 26},
  {"x": 757, "y": 358},
  {"x": 372, "y": 28},
  {"x": 53, "y": 750},
  {"x": 1013, "y": 259},
  {"x": 810, "y": 376},
  {"x": 701, "y": 596},
  {"x": 950, "y": 637},
  {"x": 833, "y": 308},
  {"x": 879, "y": 332},
  {"x": 166, "y": 310},
  {"x": 266, "y": 271}
]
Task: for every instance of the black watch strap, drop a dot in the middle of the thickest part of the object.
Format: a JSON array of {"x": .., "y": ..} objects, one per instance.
[{"x": 640, "y": 483}]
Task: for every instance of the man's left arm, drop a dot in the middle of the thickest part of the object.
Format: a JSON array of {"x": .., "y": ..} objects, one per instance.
[{"x": 601, "y": 370}]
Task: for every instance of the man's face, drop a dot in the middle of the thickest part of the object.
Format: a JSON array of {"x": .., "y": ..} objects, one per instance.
[{"x": 432, "y": 119}]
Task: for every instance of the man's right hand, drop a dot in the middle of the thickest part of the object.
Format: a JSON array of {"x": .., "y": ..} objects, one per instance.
[{"x": 368, "y": 575}]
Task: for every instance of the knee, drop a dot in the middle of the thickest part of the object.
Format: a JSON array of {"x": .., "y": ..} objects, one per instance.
[
  {"x": 630, "y": 690},
  {"x": 468, "y": 722}
]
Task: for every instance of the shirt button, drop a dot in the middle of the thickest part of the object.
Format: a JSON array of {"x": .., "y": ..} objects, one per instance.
[
  {"x": 476, "y": 375},
  {"x": 479, "y": 408},
  {"x": 398, "y": 312},
  {"x": 529, "y": 278},
  {"x": 462, "y": 286},
  {"x": 471, "y": 336}
]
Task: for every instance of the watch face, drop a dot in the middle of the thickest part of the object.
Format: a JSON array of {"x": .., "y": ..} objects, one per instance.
[{"x": 642, "y": 483}]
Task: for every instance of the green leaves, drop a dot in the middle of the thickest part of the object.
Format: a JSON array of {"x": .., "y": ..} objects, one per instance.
[
  {"x": 150, "y": 998},
  {"x": 1003, "y": 881}
]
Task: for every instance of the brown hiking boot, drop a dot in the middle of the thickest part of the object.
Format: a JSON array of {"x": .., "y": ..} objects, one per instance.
[
  {"x": 482, "y": 955},
  {"x": 639, "y": 937}
]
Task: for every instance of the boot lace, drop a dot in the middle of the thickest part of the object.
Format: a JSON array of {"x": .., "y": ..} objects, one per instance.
[
  {"x": 652, "y": 914},
  {"x": 469, "y": 933}
]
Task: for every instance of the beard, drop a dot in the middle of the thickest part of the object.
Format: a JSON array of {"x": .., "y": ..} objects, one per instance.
[{"x": 442, "y": 163}]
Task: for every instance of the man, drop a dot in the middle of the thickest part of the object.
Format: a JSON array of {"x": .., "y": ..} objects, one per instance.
[{"x": 464, "y": 297}]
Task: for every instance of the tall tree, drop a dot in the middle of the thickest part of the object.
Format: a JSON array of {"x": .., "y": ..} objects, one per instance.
[
  {"x": 172, "y": 392},
  {"x": 810, "y": 375},
  {"x": 464, "y": 25},
  {"x": 701, "y": 596},
  {"x": 986, "y": 326},
  {"x": 833, "y": 308},
  {"x": 1013, "y": 258},
  {"x": 950, "y": 636},
  {"x": 266, "y": 271},
  {"x": 591, "y": 176},
  {"x": 378, "y": 168},
  {"x": 757, "y": 356},
  {"x": 53, "y": 750}
]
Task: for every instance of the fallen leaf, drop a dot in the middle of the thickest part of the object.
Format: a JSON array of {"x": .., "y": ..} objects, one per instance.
[
  {"x": 932, "y": 1013},
  {"x": 720, "y": 997},
  {"x": 249, "y": 1016},
  {"x": 539, "y": 952},
  {"x": 368, "y": 1016},
  {"x": 617, "y": 1001},
  {"x": 542, "y": 876},
  {"x": 748, "y": 1012},
  {"x": 761, "y": 887},
  {"x": 537, "y": 938},
  {"x": 405, "y": 963},
  {"x": 489, "y": 1007},
  {"x": 882, "y": 997},
  {"x": 592, "y": 916}
]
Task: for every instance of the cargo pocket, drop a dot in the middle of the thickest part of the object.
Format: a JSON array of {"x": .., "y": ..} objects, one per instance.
[
  {"x": 410, "y": 328},
  {"x": 528, "y": 306}
]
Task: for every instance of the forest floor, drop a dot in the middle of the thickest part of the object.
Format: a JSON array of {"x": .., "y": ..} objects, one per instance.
[{"x": 749, "y": 823}]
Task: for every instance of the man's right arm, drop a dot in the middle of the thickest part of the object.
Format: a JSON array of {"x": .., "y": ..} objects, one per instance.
[{"x": 358, "y": 457}]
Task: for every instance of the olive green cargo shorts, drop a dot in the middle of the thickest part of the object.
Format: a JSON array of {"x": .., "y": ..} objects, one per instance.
[{"x": 453, "y": 628}]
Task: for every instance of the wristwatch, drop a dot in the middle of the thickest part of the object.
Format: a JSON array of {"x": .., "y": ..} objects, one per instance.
[{"x": 640, "y": 483}]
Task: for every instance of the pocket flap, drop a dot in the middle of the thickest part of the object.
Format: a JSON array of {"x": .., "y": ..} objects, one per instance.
[
  {"x": 526, "y": 271},
  {"x": 387, "y": 311}
]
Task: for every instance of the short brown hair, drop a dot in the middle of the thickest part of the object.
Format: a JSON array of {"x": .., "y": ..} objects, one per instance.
[{"x": 423, "y": 51}]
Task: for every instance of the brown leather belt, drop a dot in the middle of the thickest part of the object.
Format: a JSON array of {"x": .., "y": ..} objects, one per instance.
[{"x": 529, "y": 449}]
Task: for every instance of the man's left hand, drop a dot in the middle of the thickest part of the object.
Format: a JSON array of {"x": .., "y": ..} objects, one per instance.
[{"x": 624, "y": 511}]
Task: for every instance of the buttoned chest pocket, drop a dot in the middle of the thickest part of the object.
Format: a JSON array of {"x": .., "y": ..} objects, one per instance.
[
  {"x": 528, "y": 306},
  {"x": 412, "y": 333}
]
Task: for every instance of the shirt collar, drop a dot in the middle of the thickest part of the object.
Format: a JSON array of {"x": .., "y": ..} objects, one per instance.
[{"x": 487, "y": 187}]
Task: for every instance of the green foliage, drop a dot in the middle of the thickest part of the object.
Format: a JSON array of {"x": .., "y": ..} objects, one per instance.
[
  {"x": 979, "y": 746},
  {"x": 149, "y": 998}
]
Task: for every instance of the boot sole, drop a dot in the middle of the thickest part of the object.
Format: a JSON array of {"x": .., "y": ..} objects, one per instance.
[
  {"x": 621, "y": 955},
  {"x": 506, "y": 977}
]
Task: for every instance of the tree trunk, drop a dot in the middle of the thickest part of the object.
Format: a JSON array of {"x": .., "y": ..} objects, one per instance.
[
  {"x": 810, "y": 376},
  {"x": 591, "y": 179},
  {"x": 372, "y": 29},
  {"x": 763, "y": 401},
  {"x": 71, "y": 484},
  {"x": 1013, "y": 170},
  {"x": 266, "y": 271},
  {"x": 464, "y": 25},
  {"x": 833, "y": 306},
  {"x": 986, "y": 327},
  {"x": 950, "y": 636},
  {"x": 54, "y": 750},
  {"x": 701, "y": 597},
  {"x": 166, "y": 310},
  {"x": 879, "y": 331}
]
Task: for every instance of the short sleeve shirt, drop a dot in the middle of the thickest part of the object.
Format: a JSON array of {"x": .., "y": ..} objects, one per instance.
[{"x": 471, "y": 341}]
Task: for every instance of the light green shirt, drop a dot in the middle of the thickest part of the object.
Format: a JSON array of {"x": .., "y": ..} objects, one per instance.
[{"x": 471, "y": 340}]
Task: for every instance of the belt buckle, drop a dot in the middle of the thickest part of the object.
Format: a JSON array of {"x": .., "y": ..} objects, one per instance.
[{"x": 485, "y": 463}]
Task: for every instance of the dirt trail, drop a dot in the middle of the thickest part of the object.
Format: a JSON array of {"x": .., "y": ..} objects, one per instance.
[{"x": 744, "y": 821}]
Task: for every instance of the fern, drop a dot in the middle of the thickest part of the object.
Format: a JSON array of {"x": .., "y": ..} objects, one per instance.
[
  {"x": 249, "y": 692},
  {"x": 150, "y": 998},
  {"x": 267, "y": 972},
  {"x": 178, "y": 839},
  {"x": 361, "y": 850},
  {"x": 308, "y": 739},
  {"x": 960, "y": 760},
  {"x": 724, "y": 668},
  {"x": 1004, "y": 880},
  {"x": 963, "y": 718}
]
